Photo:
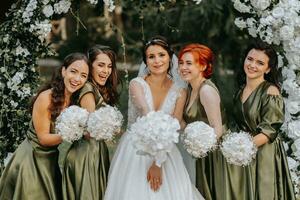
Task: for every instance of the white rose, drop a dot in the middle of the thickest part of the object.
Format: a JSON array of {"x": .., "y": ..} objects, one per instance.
[
  {"x": 287, "y": 32},
  {"x": 278, "y": 12},
  {"x": 48, "y": 11},
  {"x": 240, "y": 23},
  {"x": 294, "y": 129},
  {"x": 260, "y": 4}
]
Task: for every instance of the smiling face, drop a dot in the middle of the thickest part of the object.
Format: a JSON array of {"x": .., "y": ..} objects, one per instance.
[
  {"x": 75, "y": 75},
  {"x": 158, "y": 59},
  {"x": 256, "y": 64},
  {"x": 189, "y": 68},
  {"x": 101, "y": 69}
]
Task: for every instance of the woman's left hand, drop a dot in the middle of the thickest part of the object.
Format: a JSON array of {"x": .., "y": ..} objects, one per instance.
[{"x": 154, "y": 177}]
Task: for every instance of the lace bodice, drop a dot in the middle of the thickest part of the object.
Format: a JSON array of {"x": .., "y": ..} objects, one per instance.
[{"x": 141, "y": 100}]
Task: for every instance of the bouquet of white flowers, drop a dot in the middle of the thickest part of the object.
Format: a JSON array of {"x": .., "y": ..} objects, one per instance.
[
  {"x": 155, "y": 135},
  {"x": 104, "y": 123},
  {"x": 239, "y": 148},
  {"x": 199, "y": 138},
  {"x": 70, "y": 124}
]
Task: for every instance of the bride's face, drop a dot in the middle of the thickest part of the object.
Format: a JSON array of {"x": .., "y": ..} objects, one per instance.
[{"x": 158, "y": 59}]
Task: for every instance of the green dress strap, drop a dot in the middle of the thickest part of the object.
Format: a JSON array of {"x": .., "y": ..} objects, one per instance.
[{"x": 90, "y": 87}]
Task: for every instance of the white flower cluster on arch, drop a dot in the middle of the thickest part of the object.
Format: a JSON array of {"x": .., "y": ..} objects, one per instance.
[
  {"x": 22, "y": 42},
  {"x": 278, "y": 24}
]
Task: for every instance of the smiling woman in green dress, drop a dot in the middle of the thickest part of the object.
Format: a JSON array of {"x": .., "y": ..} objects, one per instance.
[
  {"x": 87, "y": 162},
  {"x": 33, "y": 172},
  {"x": 259, "y": 110},
  {"x": 204, "y": 104}
]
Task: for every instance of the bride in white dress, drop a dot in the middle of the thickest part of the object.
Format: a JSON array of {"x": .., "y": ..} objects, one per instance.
[{"x": 137, "y": 177}]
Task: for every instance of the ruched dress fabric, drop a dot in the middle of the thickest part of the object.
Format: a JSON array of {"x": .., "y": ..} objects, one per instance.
[
  {"x": 267, "y": 177},
  {"x": 211, "y": 170},
  {"x": 128, "y": 173},
  {"x": 87, "y": 162},
  {"x": 33, "y": 171}
]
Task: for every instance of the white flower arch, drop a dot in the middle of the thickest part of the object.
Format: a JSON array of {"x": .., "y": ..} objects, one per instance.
[
  {"x": 279, "y": 24},
  {"x": 276, "y": 22}
]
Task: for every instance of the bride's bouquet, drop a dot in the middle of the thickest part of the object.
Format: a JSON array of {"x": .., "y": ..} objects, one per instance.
[
  {"x": 199, "y": 138},
  {"x": 155, "y": 135},
  {"x": 70, "y": 124},
  {"x": 239, "y": 148},
  {"x": 105, "y": 123}
]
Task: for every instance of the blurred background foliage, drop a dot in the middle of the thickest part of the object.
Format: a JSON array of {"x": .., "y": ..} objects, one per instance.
[{"x": 133, "y": 22}]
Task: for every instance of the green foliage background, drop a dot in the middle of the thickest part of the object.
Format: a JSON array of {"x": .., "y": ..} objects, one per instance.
[{"x": 210, "y": 23}]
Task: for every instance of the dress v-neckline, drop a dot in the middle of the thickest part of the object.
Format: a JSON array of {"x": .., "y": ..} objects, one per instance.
[
  {"x": 190, "y": 104},
  {"x": 152, "y": 100},
  {"x": 251, "y": 94}
]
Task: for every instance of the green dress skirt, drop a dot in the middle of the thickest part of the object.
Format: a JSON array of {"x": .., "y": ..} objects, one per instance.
[
  {"x": 86, "y": 165},
  {"x": 267, "y": 177},
  {"x": 32, "y": 173},
  {"x": 211, "y": 170}
]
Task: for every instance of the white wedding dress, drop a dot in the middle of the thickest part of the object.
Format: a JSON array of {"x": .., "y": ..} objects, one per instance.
[{"x": 127, "y": 179}]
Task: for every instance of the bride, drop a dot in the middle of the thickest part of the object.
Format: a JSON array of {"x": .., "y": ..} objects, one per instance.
[{"x": 137, "y": 177}]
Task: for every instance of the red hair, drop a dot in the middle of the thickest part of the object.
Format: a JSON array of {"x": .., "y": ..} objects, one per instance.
[{"x": 202, "y": 54}]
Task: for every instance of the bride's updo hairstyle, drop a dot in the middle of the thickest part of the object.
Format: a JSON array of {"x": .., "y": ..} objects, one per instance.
[
  {"x": 160, "y": 41},
  {"x": 203, "y": 56}
]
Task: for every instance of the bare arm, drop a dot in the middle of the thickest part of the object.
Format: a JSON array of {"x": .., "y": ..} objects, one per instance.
[
  {"x": 210, "y": 100},
  {"x": 88, "y": 102},
  {"x": 42, "y": 120}
]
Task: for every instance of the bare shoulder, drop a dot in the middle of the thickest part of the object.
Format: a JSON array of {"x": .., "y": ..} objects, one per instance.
[
  {"x": 208, "y": 91},
  {"x": 44, "y": 98},
  {"x": 273, "y": 90}
]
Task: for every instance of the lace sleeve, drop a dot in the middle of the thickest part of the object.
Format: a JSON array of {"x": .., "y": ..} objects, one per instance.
[
  {"x": 137, "y": 104},
  {"x": 210, "y": 100}
]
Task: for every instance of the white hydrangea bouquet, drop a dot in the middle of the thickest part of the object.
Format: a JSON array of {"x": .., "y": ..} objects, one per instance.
[
  {"x": 71, "y": 123},
  {"x": 155, "y": 135},
  {"x": 199, "y": 138},
  {"x": 105, "y": 123},
  {"x": 238, "y": 148}
]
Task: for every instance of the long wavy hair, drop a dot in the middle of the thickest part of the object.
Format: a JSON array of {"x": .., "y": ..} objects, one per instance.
[
  {"x": 108, "y": 91},
  {"x": 273, "y": 76},
  {"x": 58, "y": 87}
]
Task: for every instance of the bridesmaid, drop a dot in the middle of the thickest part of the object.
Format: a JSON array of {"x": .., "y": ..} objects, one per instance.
[
  {"x": 204, "y": 104},
  {"x": 87, "y": 162},
  {"x": 33, "y": 172},
  {"x": 259, "y": 110}
]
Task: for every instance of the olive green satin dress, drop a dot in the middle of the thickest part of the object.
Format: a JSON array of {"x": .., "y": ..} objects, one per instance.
[
  {"x": 87, "y": 163},
  {"x": 267, "y": 177},
  {"x": 210, "y": 170},
  {"x": 33, "y": 172}
]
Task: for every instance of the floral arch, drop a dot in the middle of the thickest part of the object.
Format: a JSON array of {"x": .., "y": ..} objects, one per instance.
[{"x": 277, "y": 22}]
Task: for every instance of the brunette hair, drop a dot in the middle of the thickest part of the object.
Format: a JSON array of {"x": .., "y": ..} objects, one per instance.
[
  {"x": 109, "y": 90},
  {"x": 58, "y": 87},
  {"x": 202, "y": 55},
  {"x": 274, "y": 75},
  {"x": 160, "y": 41}
]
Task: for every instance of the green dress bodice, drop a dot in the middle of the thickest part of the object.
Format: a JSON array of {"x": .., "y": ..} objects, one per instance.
[
  {"x": 267, "y": 177},
  {"x": 210, "y": 170},
  {"x": 32, "y": 172},
  {"x": 87, "y": 162}
]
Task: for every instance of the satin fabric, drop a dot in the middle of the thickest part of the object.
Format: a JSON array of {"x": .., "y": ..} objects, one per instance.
[
  {"x": 267, "y": 177},
  {"x": 33, "y": 172},
  {"x": 87, "y": 162},
  {"x": 211, "y": 171}
]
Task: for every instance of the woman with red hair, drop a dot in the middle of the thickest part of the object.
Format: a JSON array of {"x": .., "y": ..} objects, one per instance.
[{"x": 204, "y": 104}]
